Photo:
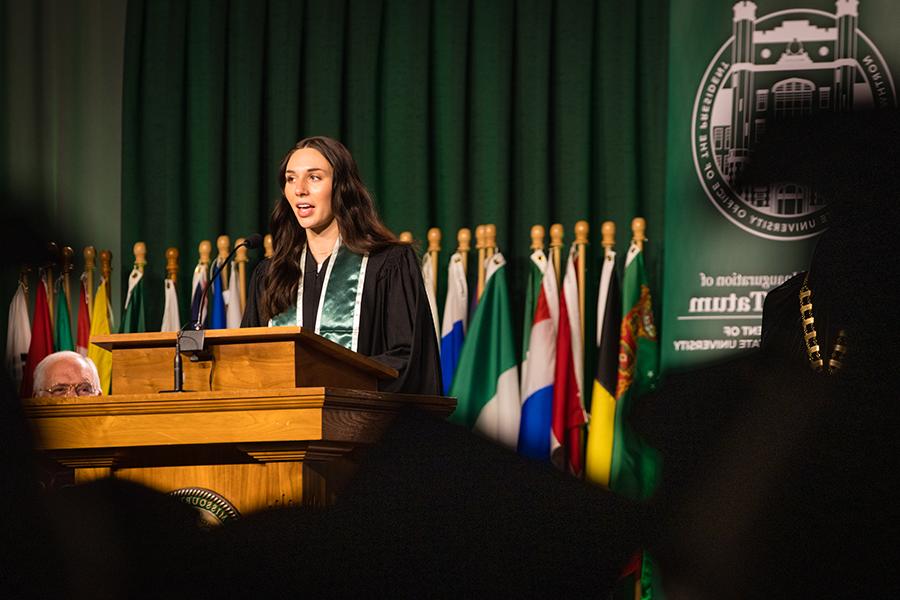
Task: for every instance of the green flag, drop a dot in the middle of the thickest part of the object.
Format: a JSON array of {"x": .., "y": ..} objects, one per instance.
[
  {"x": 486, "y": 383},
  {"x": 133, "y": 320},
  {"x": 532, "y": 291},
  {"x": 63, "y": 331},
  {"x": 635, "y": 465}
]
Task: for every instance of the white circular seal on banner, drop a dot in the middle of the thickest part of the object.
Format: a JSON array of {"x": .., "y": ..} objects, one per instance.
[{"x": 786, "y": 64}]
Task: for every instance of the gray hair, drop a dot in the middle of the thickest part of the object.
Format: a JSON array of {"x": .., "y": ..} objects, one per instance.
[{"x": 40, "y": 371}]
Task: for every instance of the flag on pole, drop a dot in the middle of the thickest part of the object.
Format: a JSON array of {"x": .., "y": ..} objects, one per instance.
[
  {"x": 601, "y": 430},
  {"x": 453, "y": 328},
  {"x": 635, "y": 465},
  {"x": 217, "y": 312},
  {"x": 63, "y": 323},
  {"x": 536, "y": 264},
  {"x": 18, "y": 334},
  {"x": 539, "y": 362},
  {"x": 171, "y": 320},
  {"x": 198, "y": 284},
  {"x": 133, "y": 321},
  {"x": 428, "y": 276},
  {"x": 568, "y": 403},
  {"x": 41, "y": 337},
  {"x": 487, "y": 377},
  {"x": 83, "y": 336},
  {"x": 233, "y": 313},
  {"x": 101, "y": 324}
]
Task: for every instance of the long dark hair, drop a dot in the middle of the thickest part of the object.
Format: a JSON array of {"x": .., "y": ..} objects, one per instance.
[{"x": 358, "y": 222}]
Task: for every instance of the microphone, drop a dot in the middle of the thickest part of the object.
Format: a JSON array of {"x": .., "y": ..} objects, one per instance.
[{"x": 195, "y": 337}]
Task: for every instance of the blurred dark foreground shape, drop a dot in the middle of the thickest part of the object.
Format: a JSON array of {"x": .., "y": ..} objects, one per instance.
[{"x": 780, "y": 481}]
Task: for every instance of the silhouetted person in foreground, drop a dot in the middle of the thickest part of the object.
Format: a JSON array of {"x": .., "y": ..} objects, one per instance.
[{"x": 778, "y": 477}]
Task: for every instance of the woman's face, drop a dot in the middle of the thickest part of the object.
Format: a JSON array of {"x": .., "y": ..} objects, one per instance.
[{"x": 307, "y": 188}]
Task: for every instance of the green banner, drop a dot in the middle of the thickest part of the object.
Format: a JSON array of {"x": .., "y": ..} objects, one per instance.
[{"x": 737, "y": 69}]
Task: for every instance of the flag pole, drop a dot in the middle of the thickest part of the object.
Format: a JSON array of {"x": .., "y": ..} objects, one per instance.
[
  {"x": 52, "y": 258},
  {"x": 90, "y": 254},
  {"x": 406, "y": 237},
  {"x": 434, "y": 249},
  {"x": 581, "y": 241},
  {"x": 106, "y": 269},
  {"x": 267, "y": 245},
  {"x": 479, "y": 245},
  {"x": 463, "y": 241},
  {"x": 240, "y": 260},
  {"x": 556, "y": 243},
  {"x": 68, "y": 264},
  {"x": 172, "y": 264}
]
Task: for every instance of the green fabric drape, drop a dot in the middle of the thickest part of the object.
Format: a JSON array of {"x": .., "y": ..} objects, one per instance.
[{"x": 458, "y": 113}]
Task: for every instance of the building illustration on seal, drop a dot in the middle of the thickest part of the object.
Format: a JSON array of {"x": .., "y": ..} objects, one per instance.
[{"x": 786, "y": 65}]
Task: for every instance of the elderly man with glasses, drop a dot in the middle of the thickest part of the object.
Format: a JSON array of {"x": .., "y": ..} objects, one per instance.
[{"x": 66, "y": 374}]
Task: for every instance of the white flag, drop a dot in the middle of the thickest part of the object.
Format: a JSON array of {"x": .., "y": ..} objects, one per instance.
[
  {"x": 428, "y": 276},
  {"x": 171, "y": 319},
  {"x": 18, "y": 336},
  {"x": 233, "y": 302}
]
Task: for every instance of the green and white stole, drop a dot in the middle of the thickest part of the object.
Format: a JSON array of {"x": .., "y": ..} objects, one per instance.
[{"x": 340, "y": 304}]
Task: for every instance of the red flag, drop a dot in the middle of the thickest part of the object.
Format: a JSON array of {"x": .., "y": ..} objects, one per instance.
[
  {"x": 41, "y": 339},
  {"x": 83, "y": 337},
  {"x": 568, "y": 404}
]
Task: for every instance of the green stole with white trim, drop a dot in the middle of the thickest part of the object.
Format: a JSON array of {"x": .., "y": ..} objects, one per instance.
[{"x": 341, "y": 301}]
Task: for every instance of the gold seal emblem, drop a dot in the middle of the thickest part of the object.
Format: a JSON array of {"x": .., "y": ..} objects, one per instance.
[{"x": 214, "y": 509}]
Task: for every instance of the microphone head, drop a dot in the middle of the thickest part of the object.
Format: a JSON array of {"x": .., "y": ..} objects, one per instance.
[{"x": 253, "y": 241}]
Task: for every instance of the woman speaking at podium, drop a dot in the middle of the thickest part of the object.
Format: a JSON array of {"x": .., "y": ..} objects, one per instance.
[{"x": 337, "y": 270}]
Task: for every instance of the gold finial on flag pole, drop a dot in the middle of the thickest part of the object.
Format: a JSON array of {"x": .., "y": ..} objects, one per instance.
[
  {"x": 223, "y": 245},
  {"x": 406, "y": 237},
  {"x": 638, "y": 228},
  {"x": 463, "y": 241},
  {"x": 267, "y": 246},
  {"x": 172, "y": 264},
  {"x": 90, "y": 254},
  {"x": 537, "y": 237},
  {"x": 140, "y": 256}
]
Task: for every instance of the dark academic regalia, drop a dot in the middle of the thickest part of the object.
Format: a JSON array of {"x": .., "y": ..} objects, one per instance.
[{"x": 396, "y": 327}]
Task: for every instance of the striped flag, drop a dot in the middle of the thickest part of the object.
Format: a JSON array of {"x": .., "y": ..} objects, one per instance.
[
  {"x": 539, "y": 364},
  {"x": 635, "y": 465},
  {"x": 568, "y": 403},
  {"x": 83, "y": 335},
  {"x": 18, "y": 334},
  {"x": 453, "y": 328},
  {"x": 603, "y": 398},
  {"x": 487, "y": 378},
  {"x": 428, "y": 276},
  {"x": 101, "y": 324},
  {"x": 41, "y": 337},
  {"x": 171, "y": 319}
]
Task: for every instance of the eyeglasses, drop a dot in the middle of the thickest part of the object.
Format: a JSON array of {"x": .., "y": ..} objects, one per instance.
[{"x": 85, "y": 388}]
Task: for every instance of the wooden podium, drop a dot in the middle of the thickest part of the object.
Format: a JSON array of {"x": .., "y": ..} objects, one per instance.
[{"x": 278, "y": 417}]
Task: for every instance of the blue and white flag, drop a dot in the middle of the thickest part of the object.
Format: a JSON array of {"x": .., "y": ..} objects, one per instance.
[
  {"x": 453, "y": 329},
  {"x": 538, "y": 365}
]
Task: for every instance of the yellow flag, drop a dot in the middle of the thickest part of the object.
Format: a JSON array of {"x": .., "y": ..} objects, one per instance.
[{"x": 100, "y": 326}]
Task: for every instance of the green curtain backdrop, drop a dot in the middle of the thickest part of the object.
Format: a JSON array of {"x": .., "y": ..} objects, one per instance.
[{"x": 458, "y": 113}]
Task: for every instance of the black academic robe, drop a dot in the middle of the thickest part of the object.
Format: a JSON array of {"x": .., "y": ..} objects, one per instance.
[{"x": 396, "y": 326}]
